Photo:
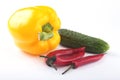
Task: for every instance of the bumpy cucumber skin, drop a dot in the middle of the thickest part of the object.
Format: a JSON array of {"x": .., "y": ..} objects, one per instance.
[{"x": 74, "y": 39}]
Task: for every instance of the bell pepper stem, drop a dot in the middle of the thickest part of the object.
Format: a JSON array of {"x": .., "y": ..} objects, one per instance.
[
  {"x": 46, "y": 32},
  {"x": 47, "y": 27},
  {"x": 45, "y": 36}
]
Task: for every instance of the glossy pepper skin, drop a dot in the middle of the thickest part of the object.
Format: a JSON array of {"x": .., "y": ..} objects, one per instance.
[
  {"x": 64, "y": 57},
  {"x": 35, "y": 29},
  {"x": 84, "y": 60}
]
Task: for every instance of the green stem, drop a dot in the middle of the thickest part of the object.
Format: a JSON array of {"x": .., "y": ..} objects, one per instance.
[
  {"x": 47, "y": 28},
  {"x": 46, "y": 32},
  {"x": 45, "y": 36}
]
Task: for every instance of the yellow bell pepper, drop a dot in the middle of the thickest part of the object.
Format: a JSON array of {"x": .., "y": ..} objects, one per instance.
[{"x": 35, "y": 29}]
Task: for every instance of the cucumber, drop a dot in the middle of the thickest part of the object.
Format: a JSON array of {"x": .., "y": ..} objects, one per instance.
[{"x": 74, "y": 39}]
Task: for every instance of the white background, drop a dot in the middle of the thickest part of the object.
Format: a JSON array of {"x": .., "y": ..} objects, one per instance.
[{"x": 98, "y": 18}]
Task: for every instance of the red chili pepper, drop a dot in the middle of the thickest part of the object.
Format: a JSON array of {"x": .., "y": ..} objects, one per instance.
[
  {"x": 83, "y": 61},
  {"x": 64, "y": 57}
]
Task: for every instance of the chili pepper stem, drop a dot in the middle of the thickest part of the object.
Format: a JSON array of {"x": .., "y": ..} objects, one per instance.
[
  {"x": 71, "y": 66},
  {"x": 44, "y": 56},
  {"x": 52, "y": 65}
]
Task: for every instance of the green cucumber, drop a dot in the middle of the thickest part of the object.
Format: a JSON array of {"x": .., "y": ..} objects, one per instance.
[{"x": 74, "y": 39}]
